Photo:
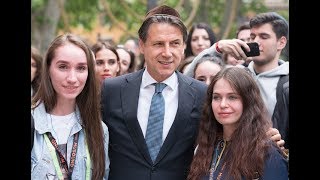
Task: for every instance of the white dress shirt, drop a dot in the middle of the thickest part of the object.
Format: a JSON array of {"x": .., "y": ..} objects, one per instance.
[{"x": 170, "y": 95}]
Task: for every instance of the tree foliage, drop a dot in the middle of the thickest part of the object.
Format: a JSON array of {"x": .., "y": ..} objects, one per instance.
[
  {"x": 127, "y": 15},
  {"x": 80, "y": 12}
]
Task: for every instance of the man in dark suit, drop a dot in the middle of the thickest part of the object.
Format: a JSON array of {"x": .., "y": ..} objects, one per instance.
[{"x": 126, "y": 102}]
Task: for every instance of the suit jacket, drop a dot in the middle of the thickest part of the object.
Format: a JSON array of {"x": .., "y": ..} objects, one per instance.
[{"x": 128, "y": 152}]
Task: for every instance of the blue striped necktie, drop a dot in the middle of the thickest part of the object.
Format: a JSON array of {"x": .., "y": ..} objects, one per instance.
[{"x": 155, "y": 121}]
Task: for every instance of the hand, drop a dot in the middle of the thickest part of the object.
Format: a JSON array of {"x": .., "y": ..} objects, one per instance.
[
  {"x": 233, "y": 48},
  {"x": 248, "y": 60},
  {"x": 275, "y": 136}
]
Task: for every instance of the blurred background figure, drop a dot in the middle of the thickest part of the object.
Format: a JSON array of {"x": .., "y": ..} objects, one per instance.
[
  {"x": 107, "y": 60},
  {"x": 200, "y": 37},
  {"x": 206, "y": 68},
  {"x": 133, "y": 46},
  {"x": 185, "y": 64},
  {"x": 36, "y": 63},
  {"x": 127, "y": 60},
  {"x": 243, "y": 32}
]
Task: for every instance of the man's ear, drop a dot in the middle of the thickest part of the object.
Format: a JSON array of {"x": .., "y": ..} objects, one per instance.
[
  {"x": 141, "y": 46},
  {"x": 282, "y": 42}
]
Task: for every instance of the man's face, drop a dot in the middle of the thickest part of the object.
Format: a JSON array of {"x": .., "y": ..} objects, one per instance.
[
  {"x": 163, "y": 50},
  {"x": 270, "y": 47}
]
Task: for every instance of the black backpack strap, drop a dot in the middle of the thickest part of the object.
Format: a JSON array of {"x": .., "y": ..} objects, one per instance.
[
  {"x": 32, "y": 131},
  {"x": 280, "y": 116},
  {"x": 283, "y": 79},
  {"x": 280, "y": 102}
]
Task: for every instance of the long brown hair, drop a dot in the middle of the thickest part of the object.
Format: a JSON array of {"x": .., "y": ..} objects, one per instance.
[
  {"x": 249, "y": 143},
  {"x": 88, "y": 101}
]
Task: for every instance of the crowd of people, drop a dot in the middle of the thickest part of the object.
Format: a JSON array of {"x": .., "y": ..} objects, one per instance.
[{"x": 174, "y": 104}]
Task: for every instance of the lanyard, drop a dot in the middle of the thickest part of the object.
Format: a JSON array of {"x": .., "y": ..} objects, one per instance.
[
  {"x": 88, "y": 163},
  {"x": 53, "y": 148},
  {"x": 48, "y": 136},
  {"x": 217, "y": 157}
]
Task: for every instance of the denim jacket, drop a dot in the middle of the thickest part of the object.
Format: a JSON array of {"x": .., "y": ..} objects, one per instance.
[{"x": 42, "y": 166}]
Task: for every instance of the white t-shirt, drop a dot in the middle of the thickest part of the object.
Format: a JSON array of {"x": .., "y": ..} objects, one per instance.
[{"x": 62, "y": 126}]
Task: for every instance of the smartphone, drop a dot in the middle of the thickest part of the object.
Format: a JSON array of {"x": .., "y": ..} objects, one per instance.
[{"x": 254, "y": 49}]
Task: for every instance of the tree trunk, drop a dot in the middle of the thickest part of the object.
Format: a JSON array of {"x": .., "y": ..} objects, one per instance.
[
  {"x": 44, "y": 32},
  {"x": 230, "y": 13}
]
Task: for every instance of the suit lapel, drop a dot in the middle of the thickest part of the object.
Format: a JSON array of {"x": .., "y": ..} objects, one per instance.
[
  {"x": 130, "y": 98},
  {"x": 185, "y": 105}
]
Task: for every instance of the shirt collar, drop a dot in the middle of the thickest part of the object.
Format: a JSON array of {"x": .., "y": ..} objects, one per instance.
[{"x": 147, "y": 80}]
